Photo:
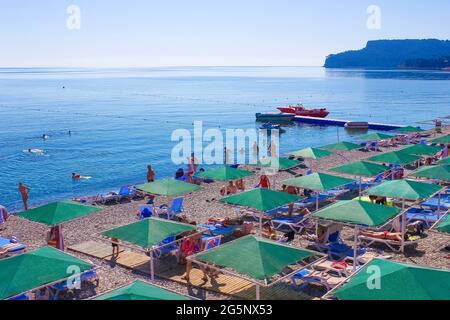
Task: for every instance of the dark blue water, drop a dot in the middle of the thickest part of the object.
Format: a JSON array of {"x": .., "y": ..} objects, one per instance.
[{"x": 122, "y": 120}]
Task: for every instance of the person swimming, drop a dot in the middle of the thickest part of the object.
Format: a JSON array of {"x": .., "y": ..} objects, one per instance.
[
  {"x": 45, "y": 136},
  {"x": 76, "y": 176},
  {"x": 34, "y": 151}
]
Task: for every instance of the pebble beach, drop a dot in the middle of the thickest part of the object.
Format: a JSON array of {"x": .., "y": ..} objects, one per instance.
[{"x": 199, "y": 207}]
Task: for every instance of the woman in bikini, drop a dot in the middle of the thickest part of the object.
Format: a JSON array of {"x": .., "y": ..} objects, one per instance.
[{"x": 189, "y": 247}]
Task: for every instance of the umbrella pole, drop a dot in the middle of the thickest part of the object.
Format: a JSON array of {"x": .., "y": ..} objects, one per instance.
[
  {"x": 152, "y": 267},
  {"x": 317, "y": 201},
  {"x": 355, "y": 250},
  {"x": 439, "y": 205},
  {"x": 258, "y": 292},
  {"x": 360, "y": 188},
  {"x": 403, "y": 226},
  {"x": 260, "y": 225}
]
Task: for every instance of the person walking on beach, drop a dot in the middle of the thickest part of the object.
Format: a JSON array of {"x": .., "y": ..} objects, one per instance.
[
  {"x": 115, "y": 247},
  {"x": 24, "y": 190},
  {"x": 190, "y": 246},
  {"x": 150, "y": 174}
]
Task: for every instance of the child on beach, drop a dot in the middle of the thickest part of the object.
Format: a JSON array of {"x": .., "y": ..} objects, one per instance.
[{"x": 24, "y": 190}]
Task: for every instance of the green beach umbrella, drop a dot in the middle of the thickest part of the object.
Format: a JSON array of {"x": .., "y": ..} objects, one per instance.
[
  {"x": 148, "y": 232},
  {"x": 224, "y": 174},
  {"x": 396, "y": 281},
  {"x": 168, "y": 187},
  {"x": 375, "y": 137},
  {"x": 140, "y": 290},
  {"x": 434, "y": 172},
  {"x": 34, "y": 269},
  {"x": 405, "y": 189},
  {"x": 361, "y": 168},
  {"x": 421, "y": 150},
  {"x": 261, "y": 199},
  {"x": 444, "y": 225},
  {"x": 255, "y": 257},
  {"x": 342, "y": 146},
  {"x": 282, "y": 163},
  {"x": 445, "y": 161},
  {"x": 56, "y": 213},
  {"x": 409, "y": 129},
  {"x": 441, "y": 140},
  {"x": 396, "y": 157},
  {"x": 318, "y": 182},
  {"x": 358, "y": 213},
  {"x": 312, "y": 153}
]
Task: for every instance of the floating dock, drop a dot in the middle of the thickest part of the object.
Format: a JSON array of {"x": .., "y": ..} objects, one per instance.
[{"x": 341, "y": 123}]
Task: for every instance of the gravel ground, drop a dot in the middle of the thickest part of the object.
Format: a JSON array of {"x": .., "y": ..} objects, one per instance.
[{"x": 199, "y": 207}]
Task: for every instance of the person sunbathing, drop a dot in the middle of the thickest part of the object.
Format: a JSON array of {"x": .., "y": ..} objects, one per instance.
[
  {"x": 268, "y": 232},
  {"x": 384, "y": 235},
  {"x": 229, "y": 189},
  {"x": 240, "y": 185}
]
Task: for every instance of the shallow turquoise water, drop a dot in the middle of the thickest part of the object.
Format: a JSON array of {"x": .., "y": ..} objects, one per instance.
[{"x": 122, "y": 120}]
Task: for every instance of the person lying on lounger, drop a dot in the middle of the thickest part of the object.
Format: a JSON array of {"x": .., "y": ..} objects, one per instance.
[
  {"x": 229, "y": 189},
  {"x": 268, "y": 232},
  {"x": 383, "y": 235}
]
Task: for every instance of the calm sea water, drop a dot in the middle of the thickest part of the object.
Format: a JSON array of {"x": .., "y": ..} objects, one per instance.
[{"x": 122, "y": 120}]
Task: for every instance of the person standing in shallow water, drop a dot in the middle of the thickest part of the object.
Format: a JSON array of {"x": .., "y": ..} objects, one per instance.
[
  {"x": 24, "y": 190},
  {"x": 150, "y": 174}
]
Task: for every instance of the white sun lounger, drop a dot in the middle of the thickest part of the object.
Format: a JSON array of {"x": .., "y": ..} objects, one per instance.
[{"x": 391, "y": 244}]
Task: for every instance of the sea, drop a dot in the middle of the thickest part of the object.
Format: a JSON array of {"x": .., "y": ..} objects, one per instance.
[{"x": 109, "y": 124}]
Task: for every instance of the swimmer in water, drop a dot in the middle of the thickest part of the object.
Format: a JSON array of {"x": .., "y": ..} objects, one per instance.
[
  {"x": 45, "y": 137},
  {"x": 76, "y": 176}
]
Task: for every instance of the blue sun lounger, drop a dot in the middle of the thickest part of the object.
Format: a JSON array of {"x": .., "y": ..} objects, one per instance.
[{"x": 429, "y": 217}]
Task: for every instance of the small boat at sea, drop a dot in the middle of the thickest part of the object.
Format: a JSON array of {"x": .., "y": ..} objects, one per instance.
[
  {"x": 300, "y": 110},
  {"x": 272, "y": 126},
  {"x": 275, "y": 117}
]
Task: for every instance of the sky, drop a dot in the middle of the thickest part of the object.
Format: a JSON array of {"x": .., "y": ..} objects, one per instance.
[{"x": 147, "y": 33}]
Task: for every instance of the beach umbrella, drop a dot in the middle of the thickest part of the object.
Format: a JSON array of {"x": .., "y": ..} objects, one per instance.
[
  {"x": 405, "y": 189},
  {"x": 396, "y": 281},
  {"x": 311, "y": 153},
  {"x": 168, "y": 187},
  {"x": 56, "y": 213},
  {"x": 261, "y": 199},
  {"x": 375, "y": 137},
  {"x": 36, "y": 269},
  {"x": 318, "y": 182},
  {"x": 441, "y": 172},
  {"x": 396, "y": 157},
  {"x": 441, "y": 140},
  {"x": 149, "y": 233},
  {"x": 140, "y": 290},
  {"x": 282, "y": 164},
  {"x": 445, "y": 161},
  {"x": 444, "y": 225},
  {"x": 224, "y": 174},
  {"x": 409, "y": 129},
  {"x": 358, "y": 213},
  {"x": 361, "y": 169},
  {"x": 421, "y": 150},
  {"x": 254, "y": 257},
  {"x": 342, "y": 146}
]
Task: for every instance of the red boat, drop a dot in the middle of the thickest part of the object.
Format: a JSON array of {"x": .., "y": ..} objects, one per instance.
[{"x": 300, "y": 110}]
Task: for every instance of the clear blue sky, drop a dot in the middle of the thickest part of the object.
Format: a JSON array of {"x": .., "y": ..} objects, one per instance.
[{"x": 121, "y": 33}]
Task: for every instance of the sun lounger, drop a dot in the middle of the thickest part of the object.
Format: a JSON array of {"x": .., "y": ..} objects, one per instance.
[
  {"x": 209, "y": 242},
  {"x": 296, "y": 223},
  {"x": 11, "y": 247},
  {"x": 109, "y": 198},
  {"x": 434, "y": 203},
  {"x": 146, "y": 212},
  {"x": 393, "y": 245},
  {"x": 165, "y": 248},
  {"x": 314, "y": 277},
  {"x": 429, "y": 217},
  {"x": 175, "y": 208},
  {"x": 217, "y": 229},
  {"x": 127, "y": 193}
]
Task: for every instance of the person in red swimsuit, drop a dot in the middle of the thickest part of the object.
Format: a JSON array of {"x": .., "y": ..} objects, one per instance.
[{"x": 264, "y": 182}]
